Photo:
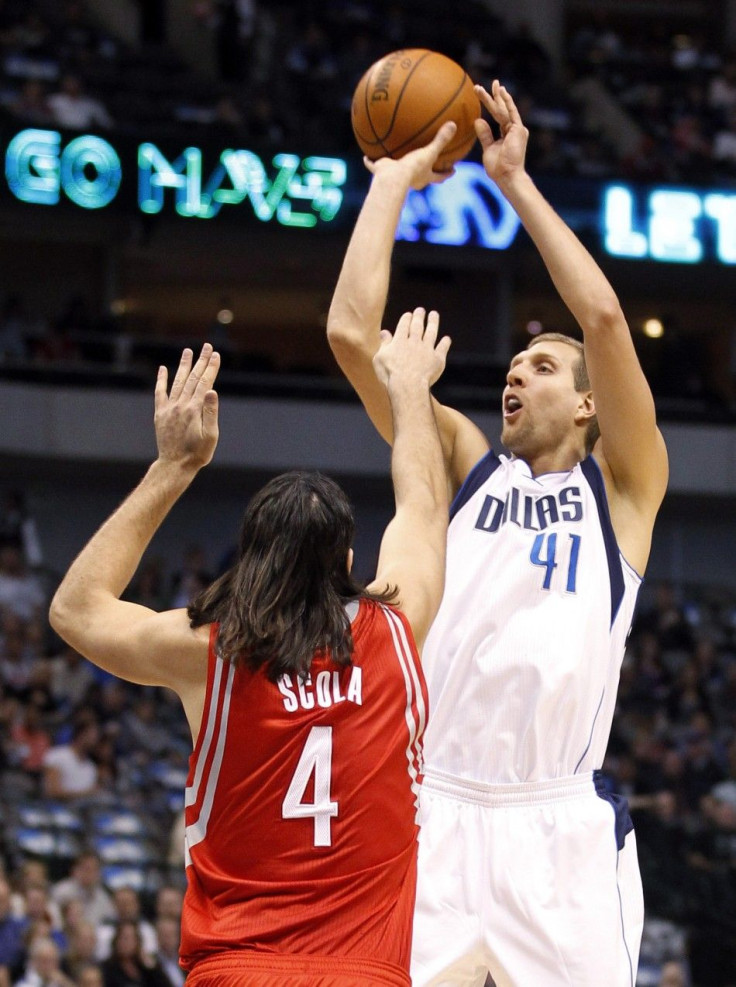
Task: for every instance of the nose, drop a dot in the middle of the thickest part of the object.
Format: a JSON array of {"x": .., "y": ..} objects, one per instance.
[{"x": 515, "y": 377}]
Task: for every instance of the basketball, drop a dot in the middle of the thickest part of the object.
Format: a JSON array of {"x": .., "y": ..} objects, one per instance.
[{"x": 405, "y": 97}]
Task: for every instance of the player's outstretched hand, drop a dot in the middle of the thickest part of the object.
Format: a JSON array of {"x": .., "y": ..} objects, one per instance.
[
  {"x": 504, "y": 156},
  {"x": 186, "y": 417},
  {"x": 417, "y": 167},
  {"x": 412, "y": 355}
]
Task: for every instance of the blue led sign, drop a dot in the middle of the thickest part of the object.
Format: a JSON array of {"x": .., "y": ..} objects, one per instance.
[
  {"x": 45, "y": 167},
  {"x": 38, "y": 169},
  {"x": 669, "y": 224},
  {"x": 301, "y": 192},
  {"x": 466, "y": 209}
]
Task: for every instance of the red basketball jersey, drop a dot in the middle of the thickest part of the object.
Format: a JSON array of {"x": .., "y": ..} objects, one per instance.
[{"x": 301, "y": 800}]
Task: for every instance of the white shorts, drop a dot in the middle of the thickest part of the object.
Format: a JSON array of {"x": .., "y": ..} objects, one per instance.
[{"x": 537, "y": 884}]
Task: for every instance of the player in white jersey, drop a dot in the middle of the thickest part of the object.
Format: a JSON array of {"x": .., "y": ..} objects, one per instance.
[{"x": 527, "y": 865}]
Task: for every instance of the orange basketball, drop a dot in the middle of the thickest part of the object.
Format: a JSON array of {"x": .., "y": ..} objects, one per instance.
[{"x": 405, "y": 97}]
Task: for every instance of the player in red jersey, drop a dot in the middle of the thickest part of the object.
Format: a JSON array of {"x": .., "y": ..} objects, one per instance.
[{"x": 302, "y": 688}]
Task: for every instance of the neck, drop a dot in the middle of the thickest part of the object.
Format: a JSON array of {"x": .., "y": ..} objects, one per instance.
[{"x": 559, "y": 461}]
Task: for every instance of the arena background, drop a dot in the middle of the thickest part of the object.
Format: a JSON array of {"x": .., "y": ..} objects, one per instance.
[{"x": 115, "y": 251}]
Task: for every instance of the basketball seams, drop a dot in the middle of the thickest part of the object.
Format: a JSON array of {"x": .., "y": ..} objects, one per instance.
[
  {"x": 397, "y": 104},
  {"x": 405, "y": 103},
  {"x": 378, "y": 140},
  {"x": 436, "y": 117},
  {"x": 367, "y": 89}
]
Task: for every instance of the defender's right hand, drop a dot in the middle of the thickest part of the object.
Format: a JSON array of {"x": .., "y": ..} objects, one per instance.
[{"x": 412, "y": 354}]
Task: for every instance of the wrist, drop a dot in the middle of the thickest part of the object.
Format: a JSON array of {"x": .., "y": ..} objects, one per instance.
[
  {"x": 392, "y": 179},
  {"x": 406, "y": 383},
  {"x": 515, "y": 184},
  {"x": 176, "y": 472}
]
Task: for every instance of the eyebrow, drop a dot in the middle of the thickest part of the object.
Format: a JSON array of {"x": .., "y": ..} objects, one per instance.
[{"x": 537, "y": 353}]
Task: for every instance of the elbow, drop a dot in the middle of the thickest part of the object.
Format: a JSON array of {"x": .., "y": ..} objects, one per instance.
[
  {"x": 59, "y": 616},
  {"x": 341, "y": 340},
  {"x": 606, "y": 315}
]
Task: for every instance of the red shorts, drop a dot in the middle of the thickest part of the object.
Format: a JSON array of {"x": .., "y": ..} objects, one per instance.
[{"x": 243, "y": 968}]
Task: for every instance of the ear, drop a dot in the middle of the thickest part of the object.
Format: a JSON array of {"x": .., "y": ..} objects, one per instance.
[
  {"x": 586, "y": 408},
  {"x": 350, "y": 560}
]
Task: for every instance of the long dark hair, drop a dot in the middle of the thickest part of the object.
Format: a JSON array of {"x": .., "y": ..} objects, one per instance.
[{"x": 284, "y": 600}]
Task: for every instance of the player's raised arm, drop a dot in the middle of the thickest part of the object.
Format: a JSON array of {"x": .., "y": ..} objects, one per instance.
[
  {"x": 412, "y": 555},
  {"x": 633, "y": 453},
  {"x": 129, "y": 640},
  {"x": 356, "y": 311}
]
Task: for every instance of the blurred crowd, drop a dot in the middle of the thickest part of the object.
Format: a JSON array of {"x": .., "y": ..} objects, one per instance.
[
  {"x": 92, "y": 772},
  {"x": 654, "y": 104}
]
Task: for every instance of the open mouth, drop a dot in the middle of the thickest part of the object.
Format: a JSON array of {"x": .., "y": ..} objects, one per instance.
[{"x": 511, "y": 406}]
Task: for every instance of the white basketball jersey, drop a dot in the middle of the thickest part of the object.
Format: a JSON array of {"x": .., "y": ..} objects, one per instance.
[{"x": 523, "y": 659}]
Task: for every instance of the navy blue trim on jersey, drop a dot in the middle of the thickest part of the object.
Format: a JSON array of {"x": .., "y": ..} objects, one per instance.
[
  {"x": 475, "y": 480},
  {"x": 623, "y": 824},
  {"x": 592, "y": 473},
  {"x": 590, "y": 738}
]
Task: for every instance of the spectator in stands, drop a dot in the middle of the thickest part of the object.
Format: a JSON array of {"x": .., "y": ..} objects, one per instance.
[
  {"x": 68, "y": 769},
  {"x": 661, "y": 838},
  {"x": 687, "y": 696},
  {"x": 31, "y": 105},
  {"x": 169, "y": 901},
  {"x": 31, "y": 874},
  {"x": 90, "y": 975},
  {"x": 127, "y": 909},
  {"x": 42, "y": 918},
  {"x": 43, "y": 968},
  {"x": 704, "y": 764},
  {"x": 85, "y": 884},
  {"x": 722, "y": 88},
  {"x": 73, "y": 108},
  {"x": 666, "y": 618},
  {"x": 12, "y": 930},
  {"x": 141, "y": 728},
  {"x": 109, "y": 764},
  {"x": 147, "y": 588},
  {"x": 29, "y": 742},
  {"x": 18, "y": 671},
  {"x": 168, "y": 935},
  {"x": 70, "y": 678},
  {"x": 81, "y": 949},
  {"x": 724, "y": 141},
  {"x": 673, "y": 974},
  {"x": 21, "y": 591},
  {"x": 129, "y": 965},
  {"x": 193, "y": 576},
  {"x": 712, "y": 862},
  {"x": 18, "y": 527}
]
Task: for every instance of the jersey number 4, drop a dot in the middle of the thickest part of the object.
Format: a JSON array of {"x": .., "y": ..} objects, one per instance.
[{"x": 316, "y": 759}]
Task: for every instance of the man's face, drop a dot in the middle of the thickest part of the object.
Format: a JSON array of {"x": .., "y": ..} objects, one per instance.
[
  {"x": 540, "y": 402},
  {"x": 87, "y": 872},
  {"x": 45, "y": 960},
  {"x": 127, "y": 904}
]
